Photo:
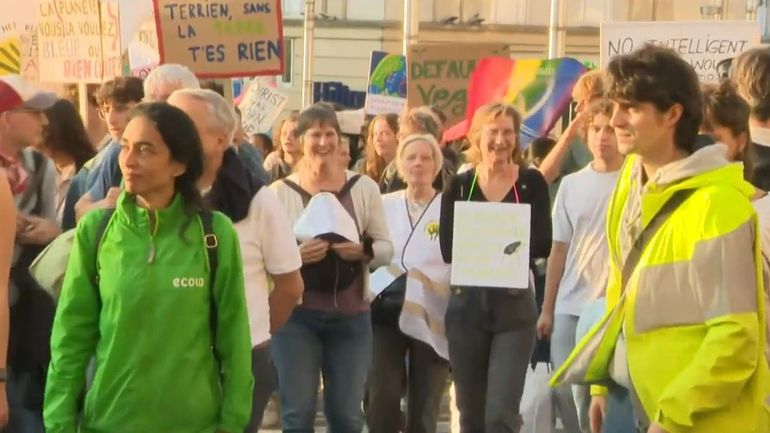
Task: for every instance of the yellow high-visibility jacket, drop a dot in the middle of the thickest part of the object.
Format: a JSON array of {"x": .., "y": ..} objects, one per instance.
[{"x": 692, "y": 315}]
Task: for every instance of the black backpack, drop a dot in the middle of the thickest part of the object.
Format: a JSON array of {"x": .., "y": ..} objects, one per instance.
[{"x": 332, "y": 274}]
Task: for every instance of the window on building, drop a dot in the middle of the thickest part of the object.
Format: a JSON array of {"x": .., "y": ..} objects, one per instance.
[
  {"x": 366, "y": 10},
  {"x": 292, "y": 8}
]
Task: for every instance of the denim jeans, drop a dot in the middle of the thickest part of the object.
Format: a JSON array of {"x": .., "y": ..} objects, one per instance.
[
  {"x": 23, "y": 418},
  {"x": 401, "y": 360},
  {"x": 619, "y": 416},
  {"x": 562, "y": 345},
  {"x": 491, "y": 335},
  {"x": 335, "y": 346},
  {"x": 265, "y": 383}
]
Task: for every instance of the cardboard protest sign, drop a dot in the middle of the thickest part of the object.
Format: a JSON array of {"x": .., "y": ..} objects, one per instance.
[
  {"x": 221, "y": 39},
  {"x": 438, "y": 74},
  {"x": 143, "y": 53},
  {"x": 702, "y": 43},
  {"x": 16, "y": 29},
  {"x": 78, "y": 40},
  {"x": 29, "y": 56},
  {"x": 260, "y": 106},
  {"x": 387, "y": 83},
  {"x": 490, "y": 245}
]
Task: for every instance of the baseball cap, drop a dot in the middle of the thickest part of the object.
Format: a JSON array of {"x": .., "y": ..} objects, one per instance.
[{"x": 17, "y": 92}]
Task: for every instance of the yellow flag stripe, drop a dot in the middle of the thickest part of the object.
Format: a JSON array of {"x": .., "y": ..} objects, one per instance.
[
  {"x": 6, "y": 69},
  {"x": 14, "y": 60}
]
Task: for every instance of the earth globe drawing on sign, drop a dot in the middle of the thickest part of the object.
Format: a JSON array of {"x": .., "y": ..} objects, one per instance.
[{"x": 389, "y": 77}]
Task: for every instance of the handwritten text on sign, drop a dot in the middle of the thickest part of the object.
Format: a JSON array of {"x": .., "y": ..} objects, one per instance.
[
  {"x": 490, "y": 245},
  {"x": 439, "y": 73},
  {"x": 228, "y": 38},
  {"x": 702, "y": 43},
  {"x": 260, "y": 107},
  {"x": 78, "y": 40}
]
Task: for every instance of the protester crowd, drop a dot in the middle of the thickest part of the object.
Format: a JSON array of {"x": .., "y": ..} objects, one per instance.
[{"x": 202, "y": 270}]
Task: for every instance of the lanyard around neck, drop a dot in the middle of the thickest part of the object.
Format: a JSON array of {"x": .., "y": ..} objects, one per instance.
[{"x": 473, "y": 187}]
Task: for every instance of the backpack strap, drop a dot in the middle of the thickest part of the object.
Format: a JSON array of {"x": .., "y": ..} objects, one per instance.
[
  {"x": 211, "y": 242},
  {"x": 104, "y": 221},
  {"x": 646, "y": 235},
  {"x": 301, "y": 191},
  {"x": 348, "y": 186},
  {"x": 35, "y": 182}
]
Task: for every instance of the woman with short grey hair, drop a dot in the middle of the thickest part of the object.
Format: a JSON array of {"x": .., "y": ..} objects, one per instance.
[{"x": 408, "y": 314}]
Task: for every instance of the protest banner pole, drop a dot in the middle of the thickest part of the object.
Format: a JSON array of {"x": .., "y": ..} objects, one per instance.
[
  {"x": 556, "y": 33},
  {"x": 307, "y": 54},
  {"x": 411, "y": 24},
  {"x": 83, "y": 101}
]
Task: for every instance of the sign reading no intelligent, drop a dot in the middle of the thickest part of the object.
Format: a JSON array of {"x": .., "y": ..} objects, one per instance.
[{"x": 702, "y": 43}]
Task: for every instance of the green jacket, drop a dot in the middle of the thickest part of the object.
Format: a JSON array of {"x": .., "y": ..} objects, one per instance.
[{"x": 148, "y": 324}]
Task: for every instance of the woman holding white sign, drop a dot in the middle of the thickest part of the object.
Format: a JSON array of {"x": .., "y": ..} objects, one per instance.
[
  {"x": 495, "y": 220},
  {"x": 408, "y": 312}
]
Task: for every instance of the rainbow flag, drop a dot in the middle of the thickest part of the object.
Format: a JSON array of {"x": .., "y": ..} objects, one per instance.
[{"x": 540, "y": 89}]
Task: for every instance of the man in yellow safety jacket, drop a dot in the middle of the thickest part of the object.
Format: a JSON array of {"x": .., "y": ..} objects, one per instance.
[{"x": 684, "y": 330}]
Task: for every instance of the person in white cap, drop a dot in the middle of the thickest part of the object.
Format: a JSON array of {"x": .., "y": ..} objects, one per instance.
[{"x": 32, "y": 179}]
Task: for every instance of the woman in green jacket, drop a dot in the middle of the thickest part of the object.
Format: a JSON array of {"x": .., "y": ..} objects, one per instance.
[{"x": 172, "y": 346}]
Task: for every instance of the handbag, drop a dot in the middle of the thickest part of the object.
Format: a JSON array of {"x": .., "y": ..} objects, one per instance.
[
  {"x": 387, "y": 305},
  {"x": 591, "y": 361}
]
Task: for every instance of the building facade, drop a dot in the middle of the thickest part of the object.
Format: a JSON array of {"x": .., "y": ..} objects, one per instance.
[{"x": 348, "y": 30}]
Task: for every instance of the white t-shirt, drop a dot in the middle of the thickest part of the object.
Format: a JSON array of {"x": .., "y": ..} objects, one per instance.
[
  {"x": 268, "y": 246},
  {"x": 762, "y": 206},
  {"x": 579, "y": 217}
]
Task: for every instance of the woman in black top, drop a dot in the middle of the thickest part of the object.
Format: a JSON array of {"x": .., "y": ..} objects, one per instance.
[{"x": 491, "y": 331}]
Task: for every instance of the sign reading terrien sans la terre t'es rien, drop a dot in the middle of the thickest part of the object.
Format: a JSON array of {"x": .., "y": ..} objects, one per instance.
[{"x": 221, "y": 39}]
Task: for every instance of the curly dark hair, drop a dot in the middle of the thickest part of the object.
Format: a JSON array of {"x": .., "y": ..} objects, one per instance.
[{"x": 659, "y": 76}]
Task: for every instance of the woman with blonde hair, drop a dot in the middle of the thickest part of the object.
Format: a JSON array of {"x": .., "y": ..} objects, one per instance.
[
  {"x": 408, "y": 316},
  {"x": 491, "y": 331},
  {"x": 282, "y": 161},
  {"x": 381, "y": 143}
]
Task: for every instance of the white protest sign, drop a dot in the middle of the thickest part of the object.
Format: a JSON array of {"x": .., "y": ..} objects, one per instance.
[
  {"x": 143, "y": 55},
  {"x": 260, "y": 107},
  {"x": 490, "y": 246},
  {"x": 702, "y": 43}
]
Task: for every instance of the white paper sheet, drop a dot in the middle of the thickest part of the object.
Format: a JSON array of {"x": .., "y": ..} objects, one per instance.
[
  {"x": 325, "y": 214},
  {"x": 382, "y": 277}
]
